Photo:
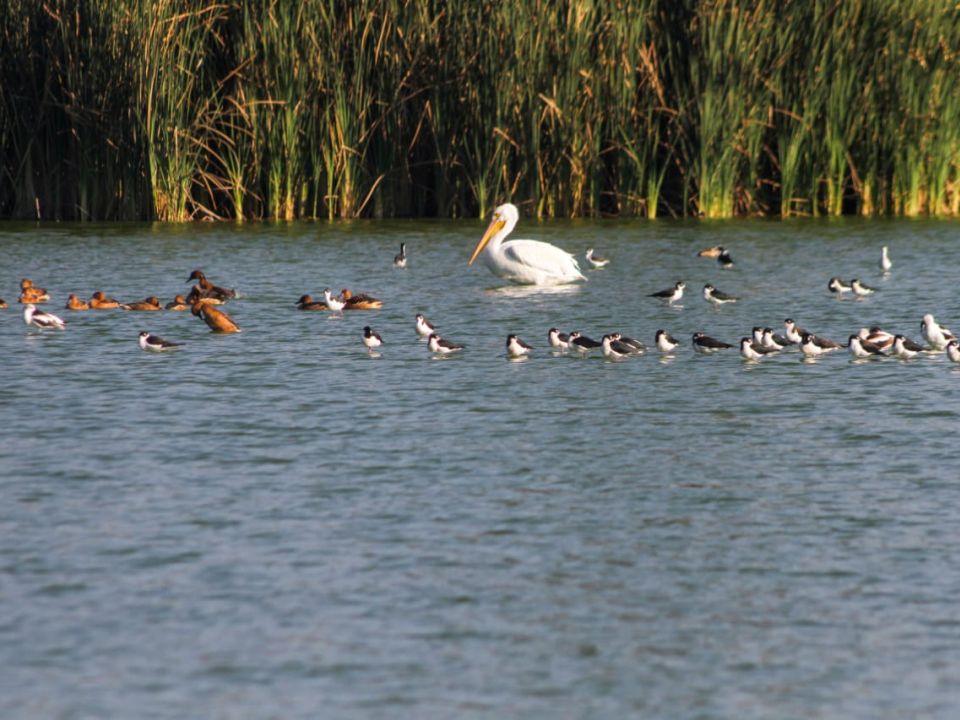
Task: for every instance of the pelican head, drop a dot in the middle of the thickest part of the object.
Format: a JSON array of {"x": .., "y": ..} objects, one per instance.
[{"x": 503, "y": 221}]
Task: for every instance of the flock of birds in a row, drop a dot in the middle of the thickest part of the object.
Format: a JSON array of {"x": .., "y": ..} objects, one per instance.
[{"x": 205, "y": 296}]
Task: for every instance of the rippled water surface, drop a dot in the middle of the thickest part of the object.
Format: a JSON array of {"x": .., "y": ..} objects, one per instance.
[{"x": 276, "y": 525}]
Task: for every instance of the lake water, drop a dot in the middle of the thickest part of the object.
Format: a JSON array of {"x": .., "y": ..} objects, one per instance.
[{"x": 274, "y": 524}]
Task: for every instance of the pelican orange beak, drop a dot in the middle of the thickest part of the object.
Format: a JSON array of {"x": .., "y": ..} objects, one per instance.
[
  {"x": 495, "y": 226},
  {"x": 710, "y": 252}
]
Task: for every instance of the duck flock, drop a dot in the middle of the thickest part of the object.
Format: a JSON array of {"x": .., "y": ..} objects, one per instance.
[{"x": 205, "y": 301}]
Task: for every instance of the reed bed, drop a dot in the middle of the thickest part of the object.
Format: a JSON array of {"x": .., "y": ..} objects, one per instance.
[{"x": 224, "y": 109}]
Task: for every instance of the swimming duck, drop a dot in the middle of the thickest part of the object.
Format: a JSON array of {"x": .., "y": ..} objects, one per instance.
[
  {"x": 197, "y": 295},
  {"x": 216, "y": 320},
  {"x": 3, "y": 304},
  {"x": 209, "y": 289},
  {"x": 150, "y": 303},
  {"x": 360, "y": 301},
  {"x": 31, "y": 294},
  {"x": 178, "y": 304},
  {"x": 306, "y": 302},
  {"x": 75, "y": 303},
  {"x": 99, "y": 301}
]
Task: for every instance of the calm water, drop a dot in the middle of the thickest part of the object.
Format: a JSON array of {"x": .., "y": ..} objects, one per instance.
[{"x": 275, "y": 525}]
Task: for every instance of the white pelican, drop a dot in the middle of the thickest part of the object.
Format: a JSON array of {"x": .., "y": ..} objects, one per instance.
[{"x": 525, "y": 262}]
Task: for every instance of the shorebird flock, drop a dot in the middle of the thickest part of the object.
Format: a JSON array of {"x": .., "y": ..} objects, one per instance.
[{"x": 205, "y": 301}]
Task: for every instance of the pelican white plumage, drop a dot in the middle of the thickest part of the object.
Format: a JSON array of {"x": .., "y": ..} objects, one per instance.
[{"x": 524, "y": 262}]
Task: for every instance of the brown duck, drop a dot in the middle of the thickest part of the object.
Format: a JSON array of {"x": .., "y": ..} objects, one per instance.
[
  {"x": 75, "y": 303},
  {"x": 306, "y": 302},
  {"x": 178, "y": 304},
  {"x": 29, "y": 293},
  {"x": 208, "y": 289},
  {"x": 360, "y": 301},
  {"x": 150, "y": 303},
  {"x": 216, "y": 320},
  {"x": 99, "y": 301}
]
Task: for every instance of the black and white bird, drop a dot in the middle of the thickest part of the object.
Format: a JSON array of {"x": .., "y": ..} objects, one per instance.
[
  {"x": 953, "y": 351},
  {"x": 838, "y": 286},
  {"x": 670, "y": 295},
  {"x": 440, "y": 346},
  {"x": 885, "y": 262},
  {"x": 517, "y": 347},
  {"x": 155, "y": 343},
  {"x": 705, "y": 344},
  {"x": 424, "y": 327},
  {"x": 935, "y": 334},
  {"x": 400, "y": 259},
  {"x": 750, "y": 351},
  {"x": 665, "y": 342},
  {"x": 905, "y": 348},
  {"x": 582, "y": 343},
  {"x": 793, "y": 332},
  {"x": 336, "y": 304},
  {"x": 720, "y": 253},
  {"x": 613, "y": 348},
  {"x": 636, "y": 347},
  {"x": 41, "y": 319},
  {"x": 862, "y": 348},
  {"x": 371, "y": 339},
  {"x": 813, "y": 345},
  {"x": 597, "y": 261},
  {"x": 557, "y": 339},
  {"x": 861, "y": 290},
  {"x": 712, "y": 295},
  {"x": 769, "y": 340}
]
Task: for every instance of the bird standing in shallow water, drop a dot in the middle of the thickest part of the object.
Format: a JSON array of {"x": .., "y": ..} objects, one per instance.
[
  {"x": 953, "y": 351},
  {"x": 665, "y": 342},
  {"x": 41, "y": 319},
  {"x": 670, "y": 295},
  {"x": 838, "y": 287},
  {"x": 439, "y": 346},
  {"x": 712, "y": 295},
  {"x": 859, "y": 289},
  {"x": 400, "y": 259},
  {"x": 885, "y": 262},
  {"x": 155, "y": 343},
  {"x": 705, "y": 344},
  {"x": 516, "y": 347},
  {"x": 596, "y": 260},
  {"x": 557, "y": 339},
  {"x": 334, "y": 303},
  {"x": 425, "y": 328},
  {"x": 935, "y": 334},
  {"x": 371, "y": 339}
]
